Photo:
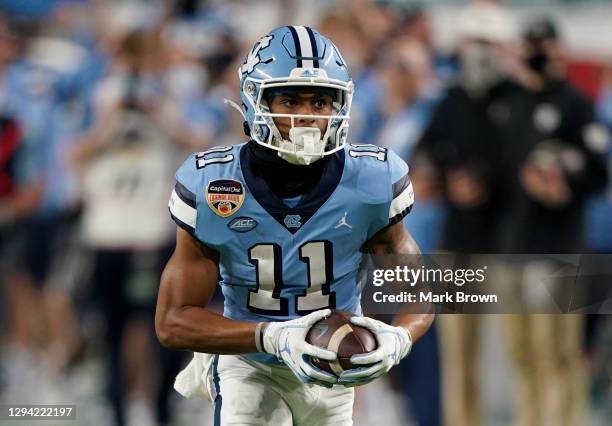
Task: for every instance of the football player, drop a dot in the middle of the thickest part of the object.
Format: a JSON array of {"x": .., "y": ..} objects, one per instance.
[{"x": 282, "y": 223}]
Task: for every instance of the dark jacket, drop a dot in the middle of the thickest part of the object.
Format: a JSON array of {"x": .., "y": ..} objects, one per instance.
[
  {"x": 558, "y": 122},
  {"x": 463, "y": 134}
]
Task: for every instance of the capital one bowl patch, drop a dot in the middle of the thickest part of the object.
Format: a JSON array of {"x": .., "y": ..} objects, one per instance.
[{"x": 225, "y": 196}]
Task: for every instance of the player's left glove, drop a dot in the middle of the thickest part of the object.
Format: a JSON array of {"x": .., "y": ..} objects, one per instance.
[
  {"x": 287, "y": 340},
  {"x": 394, "y": 343}
]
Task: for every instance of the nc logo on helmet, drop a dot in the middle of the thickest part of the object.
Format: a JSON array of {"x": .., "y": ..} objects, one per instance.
[{"x": 253, "y": 58}]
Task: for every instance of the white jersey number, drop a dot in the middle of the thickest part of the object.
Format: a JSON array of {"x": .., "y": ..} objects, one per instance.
[{"x": 266, "y": 298}]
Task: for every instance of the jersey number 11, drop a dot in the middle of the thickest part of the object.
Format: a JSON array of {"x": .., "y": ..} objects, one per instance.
[{"x": 266, "y": 298}]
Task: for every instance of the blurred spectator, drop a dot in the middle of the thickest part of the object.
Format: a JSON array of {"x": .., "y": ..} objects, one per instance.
[
  {"x": 461, "y": 146},
  {"x": 409, "y": 97},
  {"x": 556, "y": 156},
  {"x": 413, "y": 21},
  {"x": 554, "y": 160},
  {"x": 411, "y": 94},
  {"x": 462, "y": 139},
  {"x": 201, "y": 51},
  {"x": 359, "y": 43},
  {"x": 19, "y": 190},
  {"x": 19, "y": 195},
  {"x": 41, "y": 315},
  {"x": 126, "y": 161}
]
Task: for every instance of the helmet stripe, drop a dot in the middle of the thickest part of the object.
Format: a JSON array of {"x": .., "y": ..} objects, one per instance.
[
  {"x": 313, "y": 43},
  {"x": 298, "y": 49},
  {"x": 306, "y": 47}
]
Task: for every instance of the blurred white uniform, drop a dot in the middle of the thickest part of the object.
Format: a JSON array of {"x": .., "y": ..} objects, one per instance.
[{"x": 125, "y": 188}]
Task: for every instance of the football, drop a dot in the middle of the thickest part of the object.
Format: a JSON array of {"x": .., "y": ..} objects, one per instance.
[{"x": 338, "y": 334}]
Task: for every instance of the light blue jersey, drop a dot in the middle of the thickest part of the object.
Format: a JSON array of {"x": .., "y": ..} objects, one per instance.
[{"x": 278, "y": 262}]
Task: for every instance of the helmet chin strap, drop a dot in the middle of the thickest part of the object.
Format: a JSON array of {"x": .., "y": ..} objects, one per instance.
[
  {"x": 306, "y": 144},
  {"x": 235, "y": 106}
]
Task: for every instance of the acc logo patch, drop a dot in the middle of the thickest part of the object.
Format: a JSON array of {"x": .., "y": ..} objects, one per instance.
[
  {"x": 225, "y": 196},
  {"x": 242, "y": 224}
]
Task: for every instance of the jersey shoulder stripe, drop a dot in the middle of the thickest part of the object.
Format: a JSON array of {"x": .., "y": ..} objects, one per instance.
[
  {"x": 401, "y": 204},
  {"x": 187, "y": 196},
  {"x": 403, "y": 193},
  {"x": 400, "y": 185},
  {"x": 182, "y": 213}
]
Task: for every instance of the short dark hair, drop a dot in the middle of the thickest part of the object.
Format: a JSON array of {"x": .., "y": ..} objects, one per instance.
[{"x": 541, "y": 29}]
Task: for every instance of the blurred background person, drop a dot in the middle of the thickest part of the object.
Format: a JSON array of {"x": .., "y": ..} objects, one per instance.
[
  {"x": 555, "y": 159},
  {"x": 414, "y": 21},
  {"x": 557, "y": 155},
  {"x": 20, "y": 191},
  {"x": 202, "y": 49},
  {"x": 462, "y": 140},
  {"x": 459, "y": 150},
  {"x": 42, "y": 93},
  {"x": 125, "y": 162},
  {"x": 410, "y": 93},
  {"x": 361, "y": 32}
]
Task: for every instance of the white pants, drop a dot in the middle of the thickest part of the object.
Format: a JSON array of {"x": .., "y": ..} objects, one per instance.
[{"x": 256, "y": 394}]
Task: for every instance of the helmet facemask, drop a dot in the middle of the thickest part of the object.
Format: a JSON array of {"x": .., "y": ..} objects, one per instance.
[{"x": 305, "y": 144}]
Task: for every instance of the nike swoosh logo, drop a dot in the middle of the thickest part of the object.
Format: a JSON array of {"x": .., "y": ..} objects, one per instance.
[{"x": 323, "y": 328}]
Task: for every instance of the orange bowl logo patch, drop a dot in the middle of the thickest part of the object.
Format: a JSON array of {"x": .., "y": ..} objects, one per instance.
[{"x": 225, "y": 196}]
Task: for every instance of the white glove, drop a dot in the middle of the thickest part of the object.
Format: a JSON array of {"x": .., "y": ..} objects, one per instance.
[
  {"x": 287, "y": 340},
  {"x": 394, "y": 344}
]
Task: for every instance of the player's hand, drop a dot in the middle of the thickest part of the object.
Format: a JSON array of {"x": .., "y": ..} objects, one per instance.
[
  {"x": 394, "y": 344},
  {"x": 287, "y": 340}
]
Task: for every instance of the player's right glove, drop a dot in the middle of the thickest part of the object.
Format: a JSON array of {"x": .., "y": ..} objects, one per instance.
[
  {"x": 287, "y": 340},
  {"x": 394, "y": 343}
]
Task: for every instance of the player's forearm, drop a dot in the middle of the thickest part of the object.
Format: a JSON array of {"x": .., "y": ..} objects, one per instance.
[
  {"x": 418, "y": 320},
  {"x": 198, "y": 329},
  {"x": 417, "y": 317}
]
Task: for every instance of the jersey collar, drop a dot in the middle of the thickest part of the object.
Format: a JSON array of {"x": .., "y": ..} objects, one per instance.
[{"x": 292, "y": 218}]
